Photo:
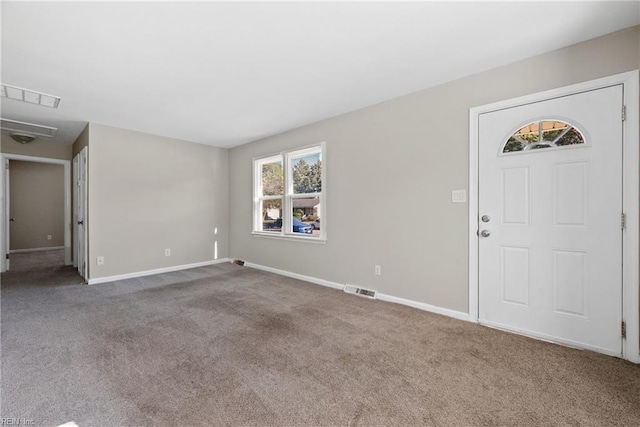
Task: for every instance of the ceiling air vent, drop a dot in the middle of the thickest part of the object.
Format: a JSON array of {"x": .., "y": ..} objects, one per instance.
[
  {"x": 29, "y": 96},
  {"x": 360, "y": 291},
  {"x": 29, "y": 128}
]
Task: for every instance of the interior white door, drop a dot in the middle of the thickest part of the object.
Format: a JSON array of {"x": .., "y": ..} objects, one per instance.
[
  {"x": 74, "y": 180},
  {"x": 550, "y": 245},
  {"x": 7, "y": 214},
  {"x": 80, "y": 191}
]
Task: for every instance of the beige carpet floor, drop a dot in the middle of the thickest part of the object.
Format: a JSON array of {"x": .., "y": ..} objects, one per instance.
[{"x": 229, "y": 345}]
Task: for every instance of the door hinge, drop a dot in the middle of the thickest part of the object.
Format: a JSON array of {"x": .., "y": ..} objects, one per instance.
[
  {"x": 624, "y": 113},
  {"x": 623, "y": 221},
  {"x": 623, "y": 329}
]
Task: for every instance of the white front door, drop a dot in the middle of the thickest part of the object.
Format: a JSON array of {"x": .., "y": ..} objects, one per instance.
[{"x": 550, "y": 245}]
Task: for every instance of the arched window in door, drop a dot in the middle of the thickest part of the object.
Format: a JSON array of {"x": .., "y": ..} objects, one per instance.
[{"x": 543, "y": 134}]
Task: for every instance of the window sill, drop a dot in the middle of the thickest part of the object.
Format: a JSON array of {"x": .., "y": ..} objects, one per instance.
[{"x": 316, "y": 240}]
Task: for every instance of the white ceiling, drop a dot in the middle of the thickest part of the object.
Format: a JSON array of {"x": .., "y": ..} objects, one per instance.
[{"x": 229, "y": 73}]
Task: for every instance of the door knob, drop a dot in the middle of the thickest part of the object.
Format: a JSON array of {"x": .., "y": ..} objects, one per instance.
[
  {"x": 11, "y": 219},
  {"x": 485, "y": 218},
  {"x": 485, "y": 233}
]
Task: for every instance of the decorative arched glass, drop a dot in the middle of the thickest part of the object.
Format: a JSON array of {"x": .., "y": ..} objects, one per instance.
[{"x": 543, "y": 134}]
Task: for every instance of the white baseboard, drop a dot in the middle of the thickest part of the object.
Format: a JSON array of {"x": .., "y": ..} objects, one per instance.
[
  {"x": 383, "y": 297},
  {"x": 315, "y": 280},
  {"x": 156, "y": 271},
  {"x": 50, "y": 248},
  {"x": 423, "y": 306}
]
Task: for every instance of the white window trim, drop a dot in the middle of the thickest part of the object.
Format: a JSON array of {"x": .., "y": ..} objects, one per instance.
[{"x": 286, "y": 157}]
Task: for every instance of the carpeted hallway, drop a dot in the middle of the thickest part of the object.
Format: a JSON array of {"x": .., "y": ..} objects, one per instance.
[{"x": 229, "y": 345}]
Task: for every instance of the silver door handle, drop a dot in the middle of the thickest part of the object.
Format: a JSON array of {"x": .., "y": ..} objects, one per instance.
[
  {"x": 485, "y": 233},
  {"x": 485, "y": 218}
]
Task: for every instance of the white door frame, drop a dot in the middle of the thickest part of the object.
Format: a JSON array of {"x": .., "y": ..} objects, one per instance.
[
  {"x": 630, "y": 194},
  {"x": 4, "y": 243}
]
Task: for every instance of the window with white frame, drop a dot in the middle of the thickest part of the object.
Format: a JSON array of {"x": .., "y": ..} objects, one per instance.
[{"x": 289, "y": 194}]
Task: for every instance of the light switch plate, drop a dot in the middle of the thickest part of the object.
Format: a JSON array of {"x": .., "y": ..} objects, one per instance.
[{"x": 458, "y": 196}]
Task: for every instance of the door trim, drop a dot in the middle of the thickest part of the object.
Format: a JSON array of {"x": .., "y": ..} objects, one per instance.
[
  {"x": 67, "y": 204},
  {"x": 630, "y": 195}
]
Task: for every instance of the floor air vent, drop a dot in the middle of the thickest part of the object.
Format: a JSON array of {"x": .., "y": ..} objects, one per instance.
[{"x": 360, "y": 291}]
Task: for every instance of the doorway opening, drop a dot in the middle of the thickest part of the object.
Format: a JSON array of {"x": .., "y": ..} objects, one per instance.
[{"x": 36, "y": 214}]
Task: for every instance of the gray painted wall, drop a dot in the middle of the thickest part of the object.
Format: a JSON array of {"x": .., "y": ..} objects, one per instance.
[
  {"x": 390, "y": 172},
  {"x": 37, "y": 205},
  {"x": 81, "y": 142},
  {"x": 148, "y": 193}
]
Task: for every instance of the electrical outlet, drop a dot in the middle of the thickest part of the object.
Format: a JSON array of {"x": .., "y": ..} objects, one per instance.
[
  {"x": 49, "y": 236},
  {"x": 377, "y": 270},
  {"x": 100, "y": 260},
  {"x": 167, "y": 252}
]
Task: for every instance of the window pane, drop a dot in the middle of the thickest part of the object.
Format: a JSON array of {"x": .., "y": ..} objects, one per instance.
[
  {"x": 305, "y": 215},
  {"x": 529, "y": 133},
  {"x": 271, "y": 215},
  {"x": 570, "y": 138},
  {"x": 272, "y": 179},
  {"x": 307, "y": 173},
  {"x": 513, "y": 145},
  {"x": 548, "y": 136}
]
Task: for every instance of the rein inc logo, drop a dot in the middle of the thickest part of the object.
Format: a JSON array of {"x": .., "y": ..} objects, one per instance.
[{"x": 9, "y": 421}]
